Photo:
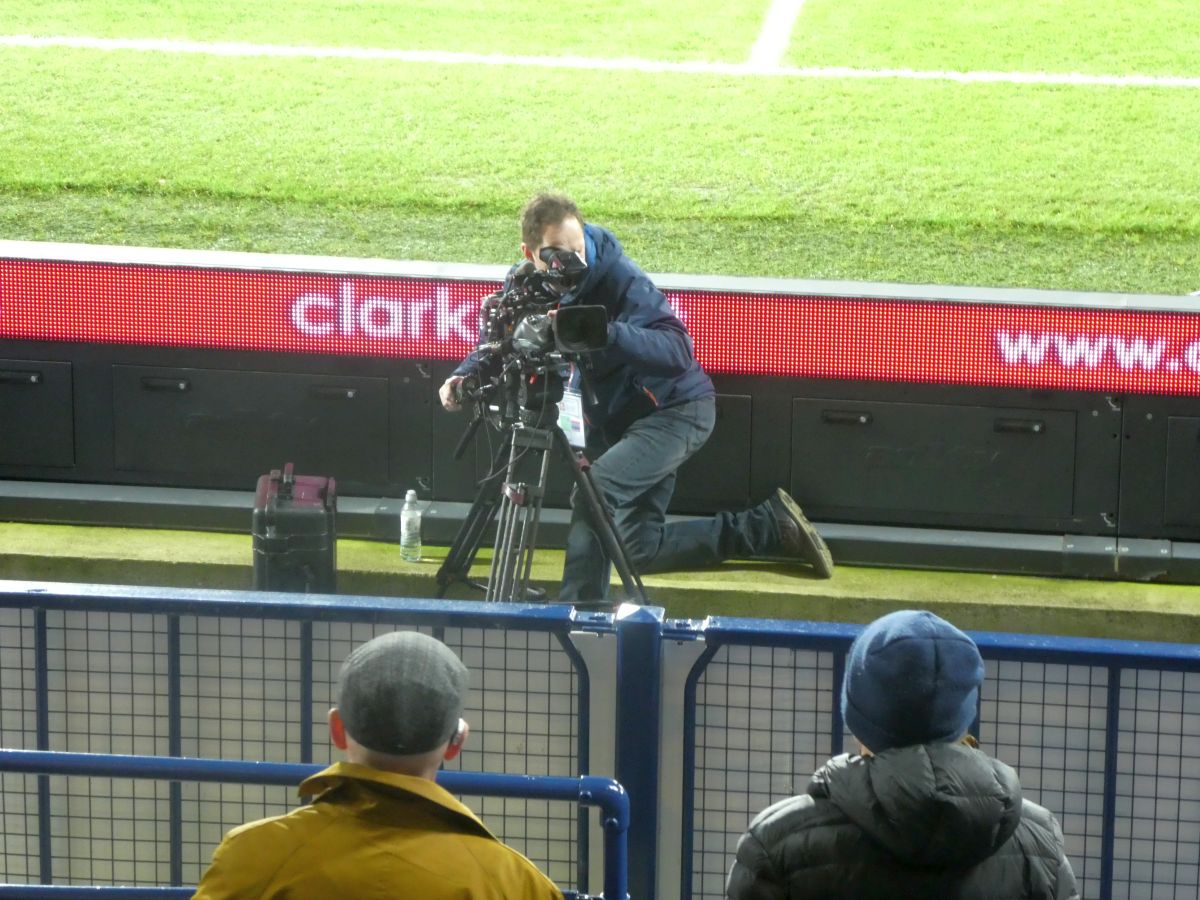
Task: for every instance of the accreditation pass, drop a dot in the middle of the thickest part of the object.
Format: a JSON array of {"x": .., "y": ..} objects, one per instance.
[{"x": 570, "y": 418}]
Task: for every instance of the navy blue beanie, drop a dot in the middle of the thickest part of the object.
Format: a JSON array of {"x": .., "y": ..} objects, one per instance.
[{"x": 911, "y": 678}]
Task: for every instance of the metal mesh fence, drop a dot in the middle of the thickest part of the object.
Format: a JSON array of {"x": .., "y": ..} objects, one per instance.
[
  {"x": 1157, "y": 830},
  {"x": 1048, "y": 722},
  {"x": 1103, "y": 736},
  {"x": 240, "y": 689},
  {"x": 18, "y": 698},
  {"x": 230, "y": 687},
  {"x": 18, "y": 729},
  {"x": 108, "y": 831},
  {"x": 762, "y": 727},
  {"x": 763, "y": 721},
  {"x": 106, "y": 680}
]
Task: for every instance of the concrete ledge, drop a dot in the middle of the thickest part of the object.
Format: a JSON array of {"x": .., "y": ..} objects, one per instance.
[
  {"x": 378, "y": 519},
  {"x": 1064, "y": 606}
]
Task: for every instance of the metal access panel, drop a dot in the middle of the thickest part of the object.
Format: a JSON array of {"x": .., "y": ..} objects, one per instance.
[
  {"x": 1181, "y": 492},
  {"x": 225, "y": 428},
  {"x": 934, "y": 464},
  {"x": 36, "y": 413},
  {"x": 1160, "y": 468}
]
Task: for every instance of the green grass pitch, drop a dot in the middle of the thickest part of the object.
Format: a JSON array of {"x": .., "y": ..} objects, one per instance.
[{"x": 700, "y": 169}]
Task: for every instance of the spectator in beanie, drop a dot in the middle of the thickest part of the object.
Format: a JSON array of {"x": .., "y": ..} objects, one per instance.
[{"x": 921, "y": 811}]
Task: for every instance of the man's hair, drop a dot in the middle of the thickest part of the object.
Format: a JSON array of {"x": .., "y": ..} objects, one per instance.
[
  {"x": 543, "y": 211},
  {"x": 402, "y": 693}
]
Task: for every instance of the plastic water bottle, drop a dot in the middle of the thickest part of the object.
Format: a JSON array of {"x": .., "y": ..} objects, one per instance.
[{"x": 410, "y": 529}]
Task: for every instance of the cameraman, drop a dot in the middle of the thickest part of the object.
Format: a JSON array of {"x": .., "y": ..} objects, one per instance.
[{"x": 651, "y": 408}]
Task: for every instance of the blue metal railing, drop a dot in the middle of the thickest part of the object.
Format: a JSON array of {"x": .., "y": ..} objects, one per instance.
[
  {"x": 59, "y": 613},
  {"x": 757, "y": 712},
  {"x": 604, "y": 793}
]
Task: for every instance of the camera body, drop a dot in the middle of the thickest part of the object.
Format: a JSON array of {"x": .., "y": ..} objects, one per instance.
[
  {"x": 522, "y": 373},
  {"x": 525, "y": 351},
  {"x": 517, "y": 318}
]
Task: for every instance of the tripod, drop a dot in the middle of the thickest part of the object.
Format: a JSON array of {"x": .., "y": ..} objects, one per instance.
[{"x": 519, "y": 505}]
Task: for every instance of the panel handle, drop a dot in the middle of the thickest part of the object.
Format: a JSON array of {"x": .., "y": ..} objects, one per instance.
[
  {"x": 176, "y": 385},
  {"x": 333, "y": 392},
  {"x": 1020, "y": 426},
  {"x": 845, "y": 417},
  {"x": 21, "y": 376}
]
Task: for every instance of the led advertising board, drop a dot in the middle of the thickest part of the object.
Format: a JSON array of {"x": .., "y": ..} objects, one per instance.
[{"x": 1089, "y": 347}]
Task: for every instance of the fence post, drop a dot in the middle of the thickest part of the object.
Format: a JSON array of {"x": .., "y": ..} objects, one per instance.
[
  {"x": 639, "y": 695},
  {"x": 41, "y": 686},
  {"x": 175, "y": 743},
  {"x": 1112, "y": 747}
]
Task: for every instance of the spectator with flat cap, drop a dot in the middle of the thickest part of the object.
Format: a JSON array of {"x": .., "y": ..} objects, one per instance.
[
  {"x": 378, "y": 824},
  {"x": 921, "y": 811}
]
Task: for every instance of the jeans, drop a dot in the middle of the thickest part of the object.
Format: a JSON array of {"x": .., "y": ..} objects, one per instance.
[{"x": 635, "y": 478}]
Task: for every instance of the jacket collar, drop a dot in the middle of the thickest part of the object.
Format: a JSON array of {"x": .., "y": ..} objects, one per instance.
[{"x": 422, "y": 787}]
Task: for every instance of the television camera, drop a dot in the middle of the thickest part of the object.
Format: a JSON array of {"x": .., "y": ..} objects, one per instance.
[{"x": 527, "y": 341}]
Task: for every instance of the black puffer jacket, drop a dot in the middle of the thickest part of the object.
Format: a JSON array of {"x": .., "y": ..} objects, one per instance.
[{"x": 942, "y": 821}]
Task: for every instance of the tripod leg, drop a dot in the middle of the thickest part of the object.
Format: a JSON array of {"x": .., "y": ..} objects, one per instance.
[
  {"x": 516, "y": 535},
  {"x": 602, "y": 522},
  {"x": 532, "y": 518},
  {"x": 457, "y": 564},
  {"x": 502, "y": 553},
  {"x": 512, "y": 502},
  {"x": 495, "y": 574}
]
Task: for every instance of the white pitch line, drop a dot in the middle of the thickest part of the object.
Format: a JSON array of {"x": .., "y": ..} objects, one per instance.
[
  {"x": 609, "y": 65},
  {"x": 776, "y": 33}
]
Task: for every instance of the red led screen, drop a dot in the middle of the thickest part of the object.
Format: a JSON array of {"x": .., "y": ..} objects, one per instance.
[{"x": 1110, "y": 350}]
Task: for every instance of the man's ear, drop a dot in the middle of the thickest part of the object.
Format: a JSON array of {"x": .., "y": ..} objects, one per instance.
[
  {"x": 457, "y": 740},
  {"x": 337, "y": 729},
  {"x": 526, "y": 252}
]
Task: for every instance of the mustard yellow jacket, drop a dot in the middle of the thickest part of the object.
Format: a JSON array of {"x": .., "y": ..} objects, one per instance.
[{"x": 371, "y": 834}]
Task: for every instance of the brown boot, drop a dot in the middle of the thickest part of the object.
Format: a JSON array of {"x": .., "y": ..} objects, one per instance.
[{"x": 797, "y": 538}]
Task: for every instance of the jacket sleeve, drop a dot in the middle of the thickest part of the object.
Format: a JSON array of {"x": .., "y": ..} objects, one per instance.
[
  {"x": 1041, "y": 840},
  {"x": 522, "y": 880},
  {"x": 751, "y": 877},
  {"x": 647, "y": 334},
  {"x": 545, "y": 889},
  {"x": 478, "y": 362}
]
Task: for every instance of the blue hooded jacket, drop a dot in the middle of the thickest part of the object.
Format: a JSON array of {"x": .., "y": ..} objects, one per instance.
[{"x": 648, "y": 363}]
